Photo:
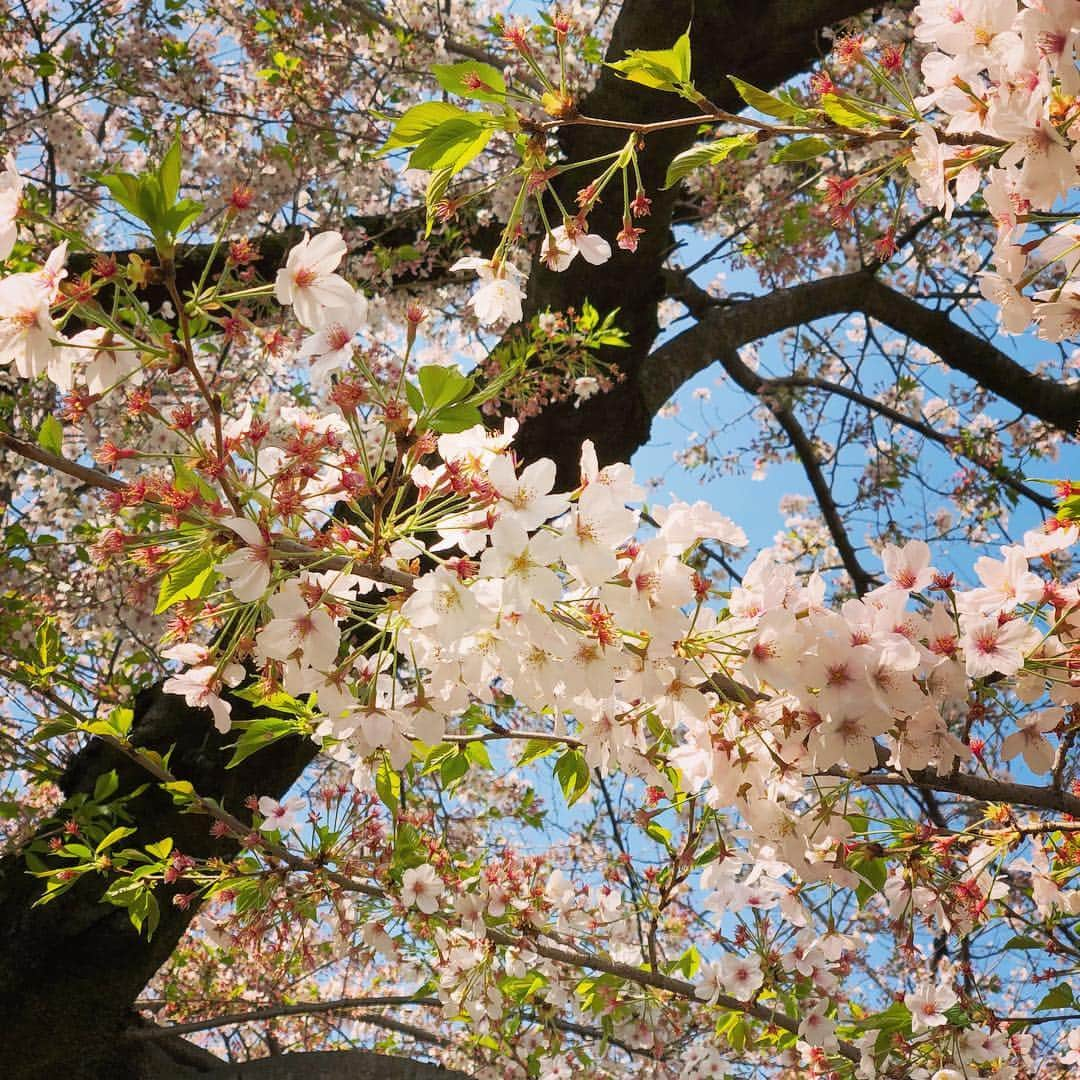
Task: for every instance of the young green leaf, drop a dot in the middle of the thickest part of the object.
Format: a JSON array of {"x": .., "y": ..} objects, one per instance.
[
  {"x": 660, "y": 69},
  {"x": 698, "y": 157},
  {"x": 411, "y": 128},
  {"x": 801, "y": 150},
  {"x": 764, "y": 102},
  {"x": 442, "y": 385},
  {"x": 169, "y": 172},
  {"x": 436, "y": 189},
  {"x": 846, "y": 113},
  {"x": 472, "y": 79},
  {"x": 51, "y": 435},
  {"x": 190, "y": 578},
  {"x": 572, "y": 772},
  {"x": 453, "y": 144}
]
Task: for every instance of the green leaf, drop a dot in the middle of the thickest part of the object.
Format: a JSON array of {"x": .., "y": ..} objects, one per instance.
[
  {"x": 123, "y": 891},
  {"x": 436, "y": 756},
  {"x": 452, "y": 145},
  {"x": 169, "y": 172},
  {"x": 260, "y": 733},
  {"x": 689, "y": 963},
  {"x": 454, "y": 418},
  {"x": 1061, "y": 997},
  {"x": 896, "y": 1018},
  {"x": 105, "y": 785},
  {"x": 478, "y": 754},
  {"x": 162, "y": 848},
  {"x": 388, "y": 785},
  {"x": 144, "y": 910},
  {"x": 873, "y": 873},
  {"x": 436, "y": 189},
  {"x": 763, "y": 102},
  {"x": 113, "y": 837},
  {"x": 50, "y": 436},
  {"x": 442, "y": 385},
  {"x": 681, "y": 51},
  {"x": 658, "y": 833},
  {"x": 536, "y": 748},
  {"x": 181, "y": 791},
  {"x": 1024, "y": 941},
  {"x": 461, "y": 78},
  {"x": 47, "y": 641},
  {"x": 698, "y": 157},
  {"x": 802, "y": 150},
  {"x": 419, "y": 121},
  {"x": 572, "y": 773},
  {"x": 189, "y": 579},
  {"x": 453, "y": 768},
  {"x": 186, "y": 212},
  {"x": 124, "y": 188},
  {"x": 660, "y": 69},
  {"x": 847, "y": 113}
]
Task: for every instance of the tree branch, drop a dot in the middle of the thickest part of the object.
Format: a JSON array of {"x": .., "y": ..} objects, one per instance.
[
  {"x": 951, "y": 443},
  {"x": 723, "y": 324},
  {"x": 269, "y": 1012},
  {"x": 677, "y": 987},
  {"x": 748, "y": 379},
  {"x": 336, "y": 1065}
]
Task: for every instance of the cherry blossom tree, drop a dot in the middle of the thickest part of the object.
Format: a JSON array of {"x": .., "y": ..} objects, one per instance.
[{"x": 366, "y": 714}]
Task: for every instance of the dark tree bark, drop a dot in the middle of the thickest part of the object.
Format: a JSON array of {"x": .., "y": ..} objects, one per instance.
[
  {"x": 336, "y": 1065},
  {"x": 726, "y": 326},
  {"x": 71, "y": 969}
]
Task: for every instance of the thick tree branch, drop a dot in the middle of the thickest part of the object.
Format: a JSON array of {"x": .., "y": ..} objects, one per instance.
[
  {"x": 391, "y": 231},
  {"x": 731, "y": 324},
  {"x": 983, "y": 788},
  {"x": 336, "y": 1065},
  {"x": 269, "y": 1012}
]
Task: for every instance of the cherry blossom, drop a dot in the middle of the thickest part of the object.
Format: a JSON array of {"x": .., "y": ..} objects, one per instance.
[
  {"x": 308, "y": 282},
  {"x": 200, "y": 688},
  {"x": 296, "y": 627},
  {"x": 332, "y": 345},
  {"x": 499, "y": 297},
  {"x": 26, "y": 329},
  {"x": 928, "y": 1005},
  {"x": 248, "y": 568},
  {"x": 561, "y": 246},
  {"x": 11, "y": 189},
  {"x": 421, "y": 887},
  {"x": 281, "y": 815},
  {"x": 1028, "y": 740}
]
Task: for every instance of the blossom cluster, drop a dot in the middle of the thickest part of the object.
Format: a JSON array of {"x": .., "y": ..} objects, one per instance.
[{"x": 1003, "y": 77}]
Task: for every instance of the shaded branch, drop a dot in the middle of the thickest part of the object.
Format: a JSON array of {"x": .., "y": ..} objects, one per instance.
[
  {"x": 727, "y": 324},
  {"x": 336, "y": 1065},
  {"x": 677, "y": 987},
  {"x": 270, "y": 1012}
]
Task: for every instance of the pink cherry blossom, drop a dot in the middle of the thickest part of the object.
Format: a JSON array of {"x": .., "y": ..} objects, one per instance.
[
  {"x": 281, "y": 816},
  {"x": 421, "y": 887},
  {"x": 308, "y": 282}
]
